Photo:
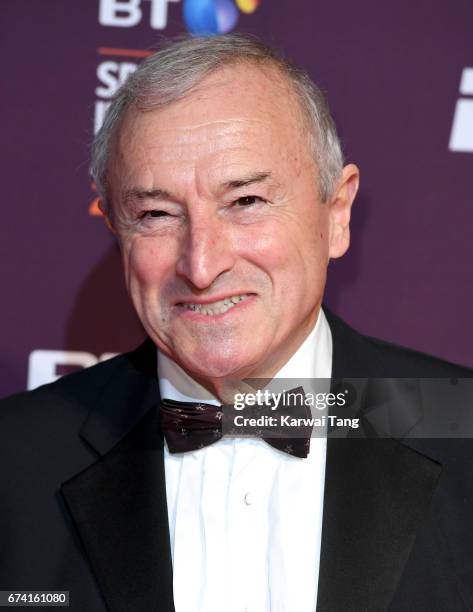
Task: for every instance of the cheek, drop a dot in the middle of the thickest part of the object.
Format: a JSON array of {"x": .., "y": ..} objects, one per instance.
[
  {"x": 267, "y": 255},
  {"x": 313, "y": 240},
  {"x": 146, "y": 264},
  {"x": 288, "y": 251}
]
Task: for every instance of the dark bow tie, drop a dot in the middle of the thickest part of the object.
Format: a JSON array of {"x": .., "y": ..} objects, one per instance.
[{"x": 189, "y": 426}]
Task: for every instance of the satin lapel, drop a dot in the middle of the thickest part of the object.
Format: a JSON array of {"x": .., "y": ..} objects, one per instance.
[
  {"x": 377, "y": 493},
  {"x": 119, "y": 503}
]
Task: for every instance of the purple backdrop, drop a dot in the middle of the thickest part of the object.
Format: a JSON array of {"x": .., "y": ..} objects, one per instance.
[{"x": 399, "y": 77}]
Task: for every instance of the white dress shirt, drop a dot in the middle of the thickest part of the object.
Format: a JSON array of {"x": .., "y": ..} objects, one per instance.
[{"x": 245, "y": 519}]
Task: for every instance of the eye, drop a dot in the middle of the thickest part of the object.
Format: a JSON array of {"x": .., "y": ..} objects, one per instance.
[
  {"x": 248, "y": 200},
  {"x": 153, "y": 214}
]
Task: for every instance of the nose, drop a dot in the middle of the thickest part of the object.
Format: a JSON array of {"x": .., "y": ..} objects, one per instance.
[{"x": 206, "y": 253}]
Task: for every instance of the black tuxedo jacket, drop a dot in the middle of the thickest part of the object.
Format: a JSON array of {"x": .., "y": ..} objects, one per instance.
[{"x": 83, "y": 504}]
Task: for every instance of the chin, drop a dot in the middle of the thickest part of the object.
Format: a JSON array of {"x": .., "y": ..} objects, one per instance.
[{"x": 217, "y": 366}]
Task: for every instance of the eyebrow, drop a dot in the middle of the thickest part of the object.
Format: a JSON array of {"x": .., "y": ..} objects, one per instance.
[
  {"x": 146, "y": 194},
  {"x": 244, "y": 181},
  {"x": 158, "y": 195}
]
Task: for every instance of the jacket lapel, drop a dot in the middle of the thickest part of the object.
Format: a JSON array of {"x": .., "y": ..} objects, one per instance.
[
  {"x": 118, "y": 504},
  {"x": 377, "y": 493}
]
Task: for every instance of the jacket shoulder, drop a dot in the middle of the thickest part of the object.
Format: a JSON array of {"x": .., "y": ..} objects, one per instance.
[
  {"x": 357, "y": 355},
  {"x": 416, "y": 363},
  {"x": 67, "y": 389},
  {"x": 73, "y": 394}
]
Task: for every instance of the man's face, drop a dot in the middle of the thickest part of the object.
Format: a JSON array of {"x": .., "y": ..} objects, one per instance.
[{"x": 224, "y": 238}]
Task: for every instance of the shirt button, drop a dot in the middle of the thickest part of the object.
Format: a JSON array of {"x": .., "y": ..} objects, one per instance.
[{"x": 248, "y": 499}]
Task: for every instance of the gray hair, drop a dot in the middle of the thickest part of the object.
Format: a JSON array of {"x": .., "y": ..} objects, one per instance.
[{"x": 171, "y": 73}]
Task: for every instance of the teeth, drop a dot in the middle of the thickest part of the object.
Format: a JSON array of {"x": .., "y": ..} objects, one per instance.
[{"x": 217, "y": 307}]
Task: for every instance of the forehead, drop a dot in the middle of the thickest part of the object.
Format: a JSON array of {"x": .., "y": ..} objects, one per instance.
[{"x": 245, "y": 110}]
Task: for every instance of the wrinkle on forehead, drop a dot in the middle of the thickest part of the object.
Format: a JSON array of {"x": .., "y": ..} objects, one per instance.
[
  {"x": 237, "y": 110},
  {"x": 189, "y": 142},
  {"x": 236, "y": 91}
]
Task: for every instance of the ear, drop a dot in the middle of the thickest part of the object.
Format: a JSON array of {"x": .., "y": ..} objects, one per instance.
[
  {"x": 105, "y": 210},
  {"x": 340, "y": 209}
]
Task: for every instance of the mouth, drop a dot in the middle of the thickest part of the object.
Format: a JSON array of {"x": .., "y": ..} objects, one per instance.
[{"x": 211, "y": 309}]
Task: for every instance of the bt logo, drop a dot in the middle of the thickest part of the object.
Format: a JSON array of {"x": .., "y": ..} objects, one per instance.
[
  {"x": 461, "y": 137},
  {"x": 200, "y": 16}
]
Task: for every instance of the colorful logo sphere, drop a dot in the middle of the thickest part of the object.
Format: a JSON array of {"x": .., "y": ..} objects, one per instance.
[
  {"x": 247, "y": 6},
  {"x": 214, "y": 16}
]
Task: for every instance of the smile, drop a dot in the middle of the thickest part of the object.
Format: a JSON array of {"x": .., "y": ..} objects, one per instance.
[{"x": 216, "y": 308}]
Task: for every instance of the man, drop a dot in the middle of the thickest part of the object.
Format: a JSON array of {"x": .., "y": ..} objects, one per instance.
[{"x": 221, "y": 175}]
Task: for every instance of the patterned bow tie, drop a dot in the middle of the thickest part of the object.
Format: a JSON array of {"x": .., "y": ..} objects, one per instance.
[{"x": 189, "y": 426}]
